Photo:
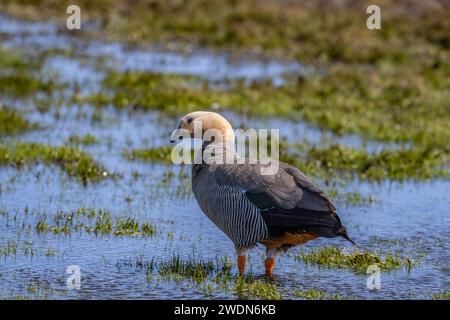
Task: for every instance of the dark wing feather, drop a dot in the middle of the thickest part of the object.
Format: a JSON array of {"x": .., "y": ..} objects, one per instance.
[
  {"x": 289, "y": 188},
  {"x": 288, "y": 200},
  {"x": 278, "y": 190}
]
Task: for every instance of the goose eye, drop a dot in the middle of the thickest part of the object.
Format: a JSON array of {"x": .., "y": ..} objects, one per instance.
[{"x": 189, "y": 120}]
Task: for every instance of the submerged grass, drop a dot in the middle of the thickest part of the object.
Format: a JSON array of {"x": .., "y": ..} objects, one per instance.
[
  {"x": 417, "y": 163},
  {"x": 9, "y": 249},
  {"x": 358, "y": 100},
  {"x": 162, "y": 154},
  {"x": 217, "y": 275},
  {"x": 333, "y": 257},
  {"x": 212, "y": 275},
  {"x": 247, "y": 288},
  {"x": 196, "y": 270},
  {"x": 74, "y": 162},
  {"x": 98, "y": 222}
]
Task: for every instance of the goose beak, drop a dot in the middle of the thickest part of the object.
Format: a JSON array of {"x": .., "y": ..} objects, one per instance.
[
  {"x": 176, "y": 136},
  {"x": 173, "y": 141}
]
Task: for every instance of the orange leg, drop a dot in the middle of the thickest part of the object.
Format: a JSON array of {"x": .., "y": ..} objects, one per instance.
[
  {"x": 269, "y": 263},
  {"x": 241, "y": 264}
]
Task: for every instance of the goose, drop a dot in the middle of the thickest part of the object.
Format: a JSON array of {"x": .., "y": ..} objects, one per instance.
[{"x": 278, "y": 210}]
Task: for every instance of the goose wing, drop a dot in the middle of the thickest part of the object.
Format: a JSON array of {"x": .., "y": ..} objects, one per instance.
[{"x": 287, "y": 199}]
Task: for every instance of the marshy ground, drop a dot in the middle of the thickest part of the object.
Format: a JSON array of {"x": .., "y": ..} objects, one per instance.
[{"x": 85, "y": 119}]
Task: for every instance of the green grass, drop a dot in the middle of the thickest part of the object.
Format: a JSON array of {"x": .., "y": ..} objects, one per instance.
[
  {"x": 212, "y": 275},
  {"x": 338, "y": 160},
  {"x": 157, "y": 154},
  {"x": 74, "y": 162},
  {"x": 41, "y": 289},
  {"x": 148, "y": 229},
  {"x": 9, "y": 249},
  {"x": 356, "y": 261},
  {"x": 418, "y": 163},
  {"x": 12, "y": 122},
  {"x": 195, "y": 270},
  {"x": 353, "y": 198},
  {"x": 246, "y": 288},
  {"x": 442, "y": 296},
  {"x": 162, "y": 154},
  {"x": 91, "y": 221},
  {"x": 127, "y": 226}
]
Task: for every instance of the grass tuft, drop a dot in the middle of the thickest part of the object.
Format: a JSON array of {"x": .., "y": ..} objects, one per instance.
[
  {"x": 357, "y": 261},
  {"x": 442, "y": 296},
  {"x": 98, "y": 222},
  {"x": 82, "y": 140}
]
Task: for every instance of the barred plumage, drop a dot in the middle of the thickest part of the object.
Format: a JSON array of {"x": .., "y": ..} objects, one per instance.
[{"x": 228, "y": 208}]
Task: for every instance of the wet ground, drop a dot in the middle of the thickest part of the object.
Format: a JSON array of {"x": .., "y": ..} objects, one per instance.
[{"x": 410, "y": 219}]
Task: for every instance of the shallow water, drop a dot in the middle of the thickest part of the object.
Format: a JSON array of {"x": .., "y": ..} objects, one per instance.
[{"x": 409, "y": 218}]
